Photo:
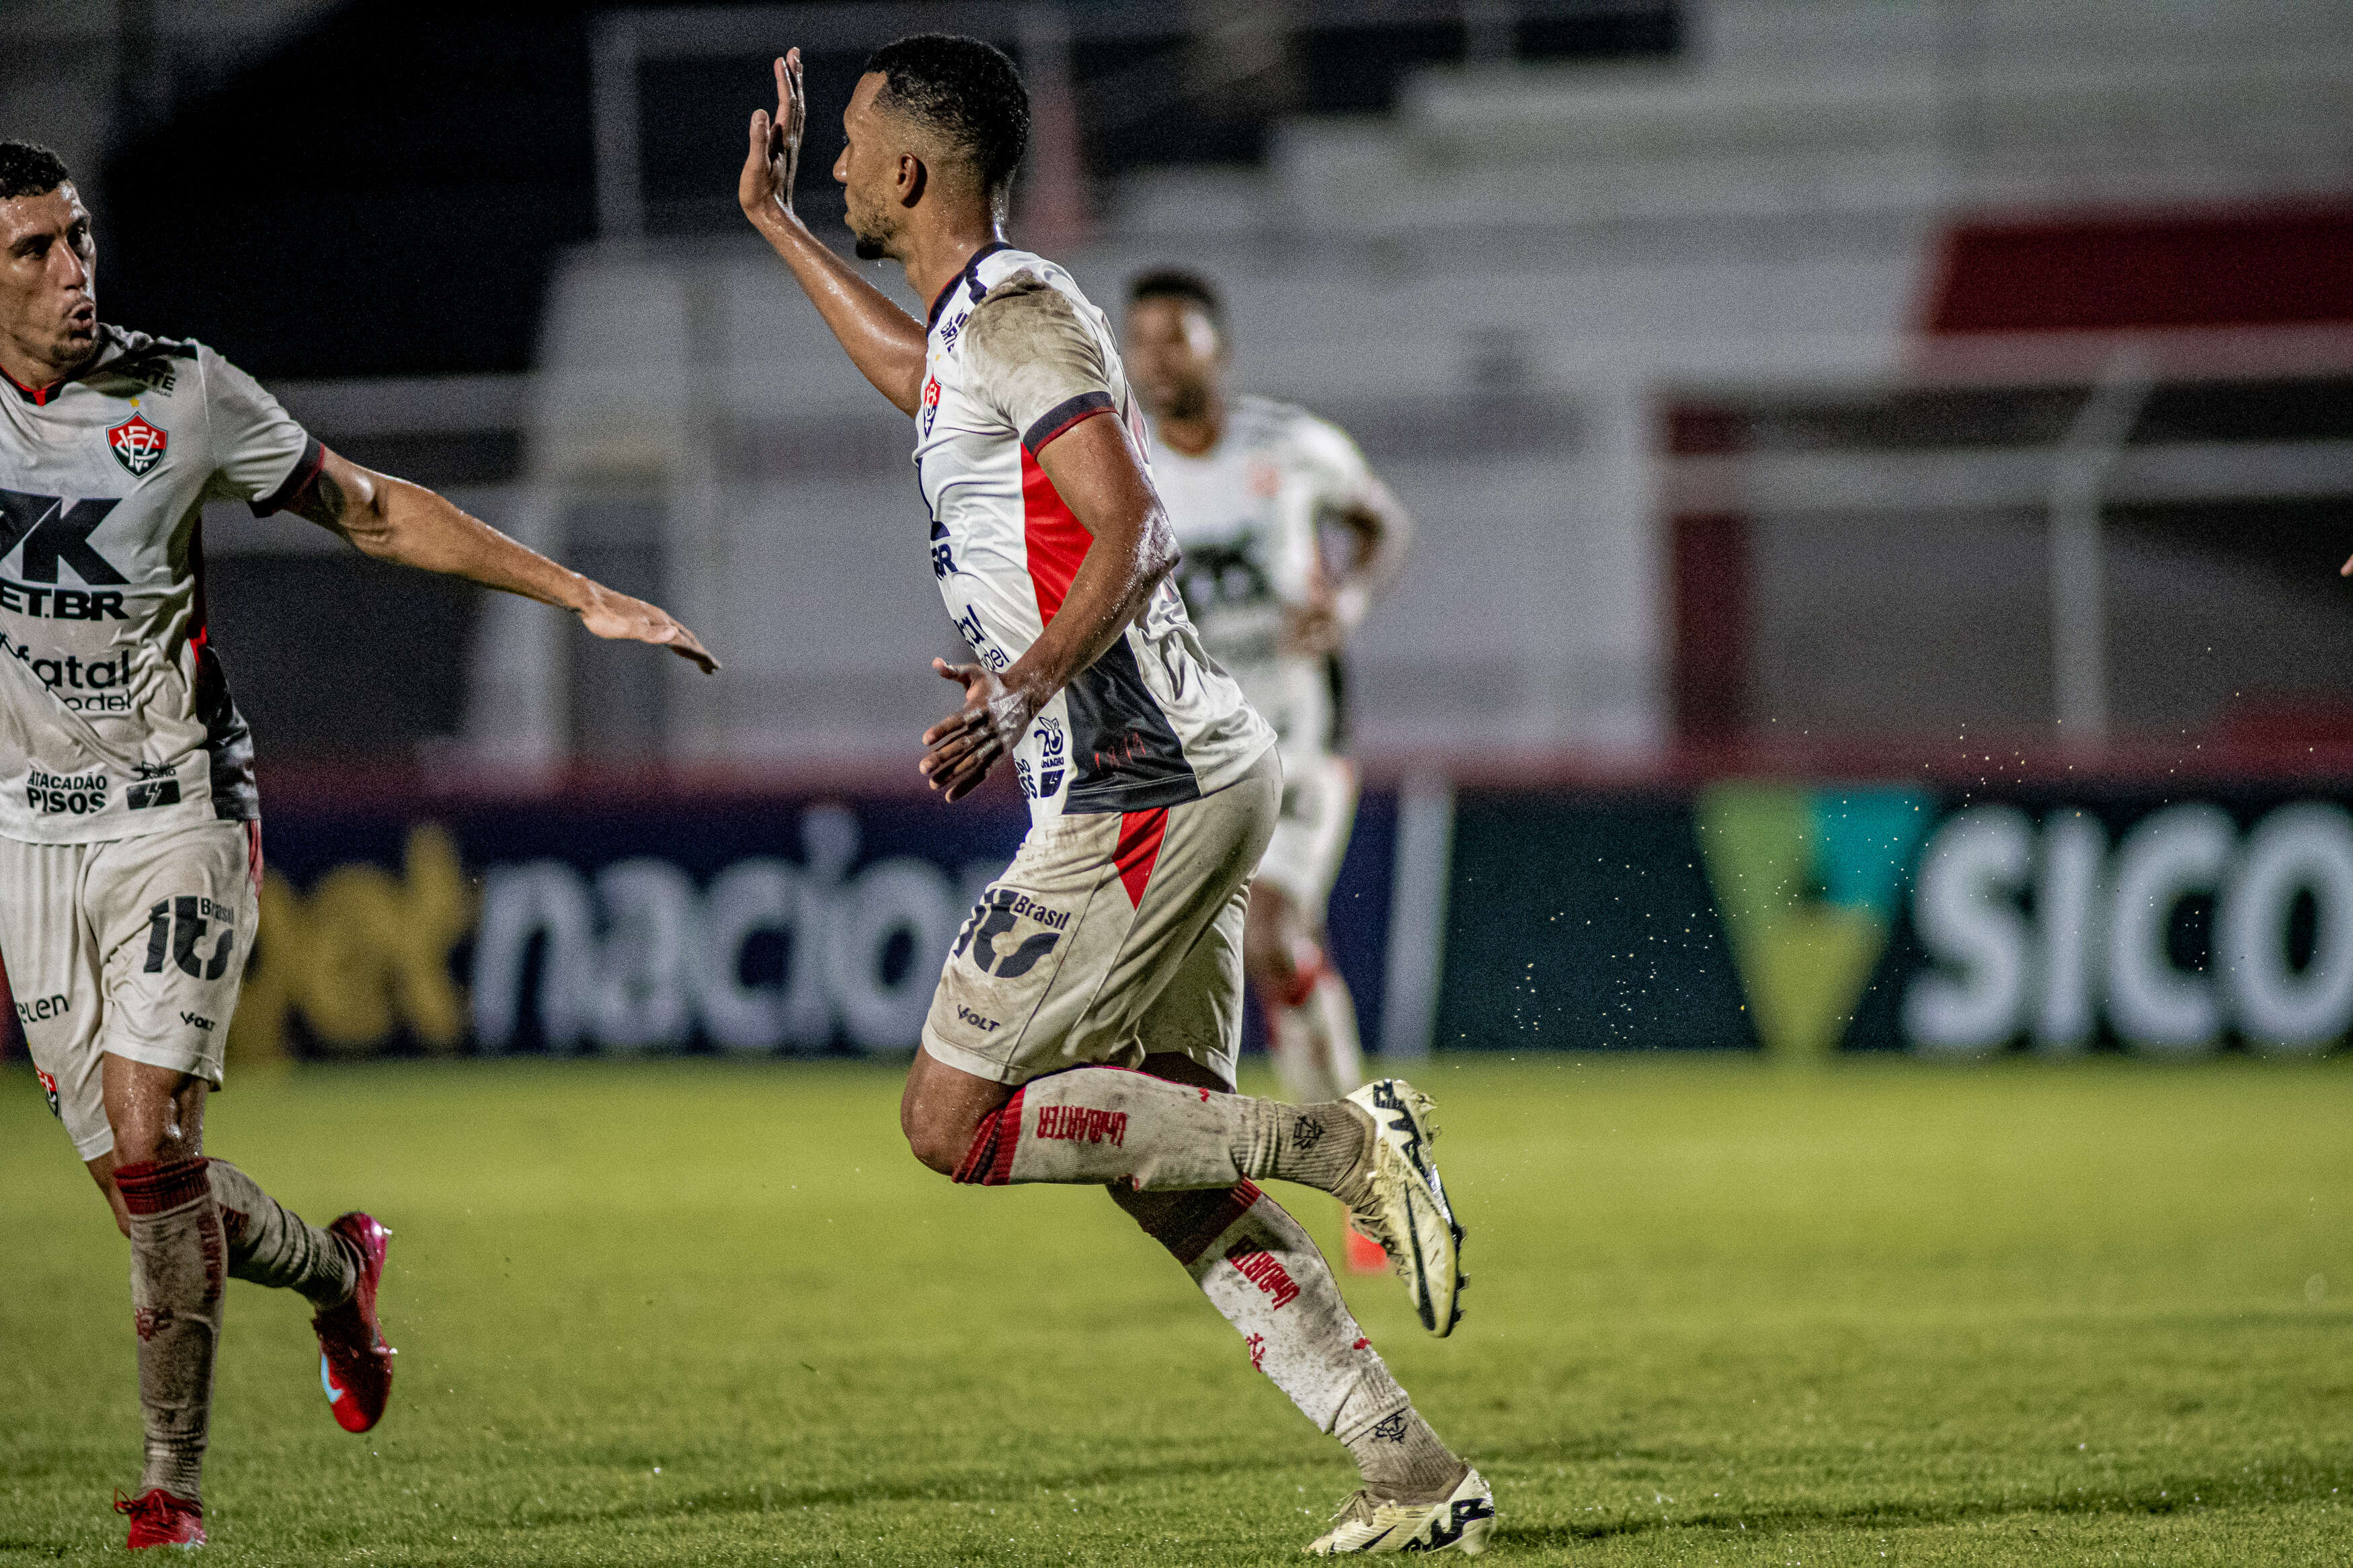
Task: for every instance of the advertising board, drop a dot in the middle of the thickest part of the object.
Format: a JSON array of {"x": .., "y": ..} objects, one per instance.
[{"x": 1798, "y": 919}]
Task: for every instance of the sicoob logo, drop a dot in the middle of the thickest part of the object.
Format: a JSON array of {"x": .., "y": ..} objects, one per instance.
[{"x": 137, "y": 445}]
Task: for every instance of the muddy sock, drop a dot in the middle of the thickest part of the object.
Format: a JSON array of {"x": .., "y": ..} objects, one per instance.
[
  {"x": 179, "y": 1267},
  {"x": 1103, "y": 1124},
  {"x": 1260, "y": 1270},
  {"x": 271, "y": 1245},
  {"x": 1401, "y": 1458}
]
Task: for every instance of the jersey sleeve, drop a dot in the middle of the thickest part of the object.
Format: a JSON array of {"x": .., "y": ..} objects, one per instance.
[
  {"x": 261, "y": 455},
  {"x": 1342, "y": 477},
  {"x": 1035, "y": 361}
]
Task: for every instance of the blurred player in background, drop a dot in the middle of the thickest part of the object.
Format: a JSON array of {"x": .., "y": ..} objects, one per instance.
[
  {"x": 130, "y": 824},
  {"x": 1250, "y": 485},
  {"x": 1114, "y": 941}
]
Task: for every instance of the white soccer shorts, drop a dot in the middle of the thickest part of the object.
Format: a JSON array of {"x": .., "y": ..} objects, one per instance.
[{"x": 134, "y": 947}]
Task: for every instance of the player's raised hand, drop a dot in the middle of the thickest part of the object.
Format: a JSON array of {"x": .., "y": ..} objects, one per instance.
[
  {"x": 620, "y": 618},
  {"x": 774, "y": 158},
  {"x": 959, "y": 751}
]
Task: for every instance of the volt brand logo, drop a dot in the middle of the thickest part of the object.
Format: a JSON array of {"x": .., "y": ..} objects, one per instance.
[
  {"x": 178, "y": 926},
  {"x": 1807, "y": 882},
  {"x": 930, "y": 401},
  {"x": 149, "y": 793},
  {"x": 196, "y": 1021},
  {"x": 137, "y": 445},
  {"x": 995, "y": 916},
  {"x": 54, "y": 533}
]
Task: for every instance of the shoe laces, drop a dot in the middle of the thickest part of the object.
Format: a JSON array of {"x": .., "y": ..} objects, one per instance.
[{"x": 153, "y": 1501}]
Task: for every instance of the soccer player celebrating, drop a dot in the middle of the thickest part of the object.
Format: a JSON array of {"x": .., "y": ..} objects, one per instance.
[
  {"x": 1114, "y": 939},
  {"x": 129, "y": 826},
  {"x": 1249, "y": 484}
]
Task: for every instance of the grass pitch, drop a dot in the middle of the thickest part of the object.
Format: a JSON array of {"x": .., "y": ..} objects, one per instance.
[{"x": 697, "y": 1313}]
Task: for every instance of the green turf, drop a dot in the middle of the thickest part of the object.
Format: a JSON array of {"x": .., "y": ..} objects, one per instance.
[{"x": 694, "y": 1313}]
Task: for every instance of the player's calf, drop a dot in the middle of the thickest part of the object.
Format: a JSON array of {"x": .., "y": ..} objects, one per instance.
[
  {"x": 1264, "y": 1275},
  {"x": 178, "y": 1274}
]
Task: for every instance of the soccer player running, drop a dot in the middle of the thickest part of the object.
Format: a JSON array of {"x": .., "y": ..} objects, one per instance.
[
  {"x": 1114, "y": 941},
  {"x": 130, "y": 824},
  {"x": 1249, "y": 484}
]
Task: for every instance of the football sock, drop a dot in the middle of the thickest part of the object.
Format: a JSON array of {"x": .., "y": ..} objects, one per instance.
[
  {"x": 271, "y": 1245},
  {"x": 1260, "y": 1270},
  {"x": 178, "y": 1271},
  {"x": 1314, "y": 1040},
  {"x": 1106, "y": 1124}
]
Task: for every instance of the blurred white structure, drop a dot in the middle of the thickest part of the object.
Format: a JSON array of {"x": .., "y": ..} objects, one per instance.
[{"x": 1486, "y": 288}]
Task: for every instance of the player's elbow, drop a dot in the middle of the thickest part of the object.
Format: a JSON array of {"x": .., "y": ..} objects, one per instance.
[
  {"x": 1157, "y": 553},
  {"x": 369, "y": 523}
]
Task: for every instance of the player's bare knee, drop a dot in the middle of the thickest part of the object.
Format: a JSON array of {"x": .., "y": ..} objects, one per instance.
[{"x": 935, "y": 1142}]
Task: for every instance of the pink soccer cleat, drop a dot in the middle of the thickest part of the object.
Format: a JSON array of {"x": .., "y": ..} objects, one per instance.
[
  {"x": 355, "y": 1364},
  {"x": 159, "y": 1519}
]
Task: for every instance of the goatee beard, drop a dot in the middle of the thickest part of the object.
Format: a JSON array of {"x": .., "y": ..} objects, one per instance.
[
  {"x": 1189, "y": 403},
  {"x": 869, "y": 248}
]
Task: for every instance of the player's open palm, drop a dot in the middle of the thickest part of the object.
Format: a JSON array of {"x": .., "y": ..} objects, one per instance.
[
  {"x": 620, "y": 618},
  {"x": 774, "y": 157}
]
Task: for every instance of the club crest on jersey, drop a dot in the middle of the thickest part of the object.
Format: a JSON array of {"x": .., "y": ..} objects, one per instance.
[{"x": 137, "y": 445}]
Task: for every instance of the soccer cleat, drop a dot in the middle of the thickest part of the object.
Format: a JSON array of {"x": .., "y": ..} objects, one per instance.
[
  {"x": 1406, "y": 1209},
  {"x": 355, "y": 1364},
  {"x": 159, "y": 1519},
  {"x": 1367, "y": 1523}
]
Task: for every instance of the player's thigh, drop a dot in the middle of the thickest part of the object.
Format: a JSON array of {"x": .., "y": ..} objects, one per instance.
[
  {"x": 1311, "y": 835},
  {"x": 1183, "y": 987},
  {"x": 1197, "y": 1014},
  {"x": 175, "y": 916},
  {"x": 1033, "y": 955},
  {"x": 52, "y": 958}
]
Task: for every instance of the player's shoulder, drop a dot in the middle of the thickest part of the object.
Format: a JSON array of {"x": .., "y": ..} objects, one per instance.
[
  {"x": 1020, "y": 286},
  {"x": 1031, "y": 306},
  {"x": 1270, "y": 422},
  {"x": 142, "y": 362}
]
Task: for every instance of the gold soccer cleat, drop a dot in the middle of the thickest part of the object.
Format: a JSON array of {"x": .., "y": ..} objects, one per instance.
[
  {"x": 1406, "y": 1209},
  {"x": 1460, "y": 1523}
]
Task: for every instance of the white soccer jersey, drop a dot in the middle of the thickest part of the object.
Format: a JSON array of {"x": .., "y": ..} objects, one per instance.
[
  {"x": 1247, "y": 513},
  {"x": 115, "y": 719},
  {"x": 1015, "y": 357}
]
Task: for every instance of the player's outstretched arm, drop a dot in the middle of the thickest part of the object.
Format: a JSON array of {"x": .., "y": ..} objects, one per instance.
[
  {"x": 392, "y": 520},
  {"x": 884, "y": 342},
  {"x": 1101, "y": 477}
]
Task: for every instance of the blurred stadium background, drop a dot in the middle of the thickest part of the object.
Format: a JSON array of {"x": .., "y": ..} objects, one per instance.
[{"x": 1891, "y": 434}]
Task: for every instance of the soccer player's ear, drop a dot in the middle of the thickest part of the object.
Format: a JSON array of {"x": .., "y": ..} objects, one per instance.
[{"x": 912, "y": 179}]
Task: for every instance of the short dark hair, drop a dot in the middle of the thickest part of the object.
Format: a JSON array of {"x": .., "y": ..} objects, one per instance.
[
  {"x": 964, "y": 91},
  {"x": 1176, "y": 283},
  {"x": 29, "y": 169}
]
